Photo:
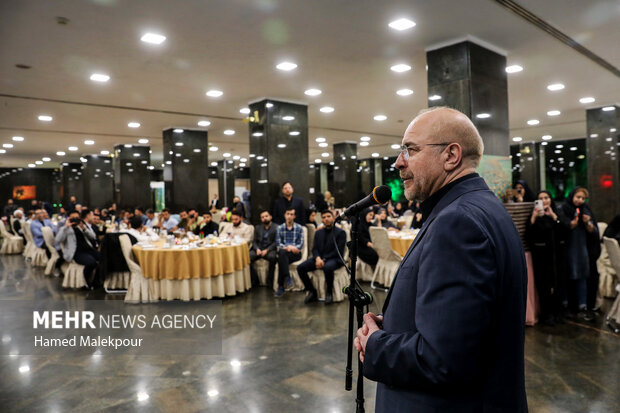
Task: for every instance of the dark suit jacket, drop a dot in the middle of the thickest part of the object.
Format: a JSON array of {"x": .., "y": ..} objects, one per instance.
[
  {"x": 259, "y": 231},
  {"x": 324, "y": 244},
  {"x": 282, "y": 204},
  {"x": 453, "y": 330}
]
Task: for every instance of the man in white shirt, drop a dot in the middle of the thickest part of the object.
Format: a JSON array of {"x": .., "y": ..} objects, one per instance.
[
  {"x": 167, "y": 222},
  {"x": 152, "y": 220},
  {"x": 237, "y": 228},
  {"x": 139, "y": 231}
]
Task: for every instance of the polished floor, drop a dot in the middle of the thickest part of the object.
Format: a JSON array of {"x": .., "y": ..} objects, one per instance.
[{"x": 286, "y": 357}]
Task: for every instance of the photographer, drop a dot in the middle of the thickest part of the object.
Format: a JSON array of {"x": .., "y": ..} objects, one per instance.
[{"x": 78, "y": 244}]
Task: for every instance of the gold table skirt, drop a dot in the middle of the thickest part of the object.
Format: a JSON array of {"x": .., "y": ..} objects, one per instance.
[
  {"x": 195, "y": 263},
  {"x": 401, "y": 245}
]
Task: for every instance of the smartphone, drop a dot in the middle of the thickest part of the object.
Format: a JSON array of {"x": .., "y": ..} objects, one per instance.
[{"x": 538, "y": 204}]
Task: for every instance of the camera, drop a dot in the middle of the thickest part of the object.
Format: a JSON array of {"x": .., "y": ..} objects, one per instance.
[{"x": 75, "y": 220}]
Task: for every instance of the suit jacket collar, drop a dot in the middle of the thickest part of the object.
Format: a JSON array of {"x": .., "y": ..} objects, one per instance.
[{"x": 469, "y": 185}]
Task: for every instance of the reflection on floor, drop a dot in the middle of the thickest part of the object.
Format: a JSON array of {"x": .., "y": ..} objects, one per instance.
[{"x": 279, "y": 356}]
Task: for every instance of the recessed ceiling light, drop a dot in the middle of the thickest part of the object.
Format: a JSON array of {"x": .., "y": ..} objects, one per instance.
[
  {"x": 559, "y": 146},
  {"x": 104, "y": 152},
  {"x": 375, "y": 155},
  {"x": 288, "y": 117},
  {"x": 7, "y": 145},
  {"x": 594, "y": 135},
  {"x": 153, "y": 38},
  {"x": 327, "y": 109},
  {"x": 45, "y": 118},
  {"x": 320, "y": 139},
  {"x": 517, "y": 139},
  {"x": 18, "y": 138},
  {"x": 281, "y": 145},
  {"x": 555, "y": 87},
  {"x": 395, "y": 146},
  {"x": 573, "y": 148},
  {"x": 229, "y": 132},
  {"x": 294, "y": 133},
  {"x": 483, "y": 115},
  {"x": 380, "y": 118},
  {"x": 178, "y": 130},
  {"x": 143, "y": 141},
  {"x": 60, "y": 153},
  {"x": 317, "y": 161},
  {"x": 608, "y": 108},
  {"x": 402, "y": 24},
  {"x": 226, "y": 155},
  {"x": 46, "y": 159},
  {"x": 214, "y": 93},
  {"x": 39, "y": 162},
  {"x": 245, "y": 111},
  {"x": 31, "y": 165},
  {"x": 365, "y": 138},
  {"x": 236, "y": 157},
  {"x": 313, "y": 92},
  {"x": 404, "y": 92},
  {"x": 434, "y": 97},
  {"x": 587, "y": 100},
  {"x": 257, "y": 134},
  {"x": 213, "y": 163},
  {"x": 612, "y": 129},
  {"x": 89, "y": 142},
  {"x": 325, "y": 154},
  {"x": 268, "y": 105},
  {"x": 197, "y": 150},
  {"x": 553, "y": 113},
  {"x": 133, "y": 124},
  {"x": 73, "y": 148},
  {"x": 243, "y": 159},
  {"x": 513, "y": 69},
  {"x": 399, "y": 68},
  {"x": 546, "y": 137},
  {"x": 213, "y": 148},
  {"x": 323, "y": 145},
  {"x": 545, "y": 144},
  {"x": 533, "y": 122},
  {"x": 364, "y": 144},
  {"x": 137, "y": 155},
  {"x": 99, "y": 77},
  {"x": 178, "y": 144},
  {"x": 286, "y": 66},
  {"x": 204, "y": 123}
]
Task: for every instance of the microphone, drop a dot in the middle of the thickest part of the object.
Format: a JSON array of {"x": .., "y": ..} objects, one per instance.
[{"x": 379, "y": 195}]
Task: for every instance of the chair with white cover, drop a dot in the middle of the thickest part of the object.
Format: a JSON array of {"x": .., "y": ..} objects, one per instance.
[
  {"x": 613, "y": 317},
  {"x": 37, "y": 255},
  {"x": 341, "y": 280},
  {"x": 140, "y": 289},
  {"x": 389, "y": 260},
  {"x": 11, "y": 244},
  {"x": 408, "y": 221},
  {"x": 74, "y": 274},
  {"x": 607, "y": 275},
  {"x": 48, "y": 237},
  {"x": 311, "y": 231},
  {"x": 220, "y": 226},
  {"x": 298, "y": 285},
  {"x": 408, "y": 213},
  {"x": 217, "y": 217},
  {"x": 28, "y": 249}
]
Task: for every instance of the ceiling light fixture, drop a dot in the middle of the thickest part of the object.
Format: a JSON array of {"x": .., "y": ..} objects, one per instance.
[
  {"x": 286, "y": 66},
  {"x": 553, "y": 113},
  {"x": 257, "y": 134},
  {"x": 214, "y": 93},
  {"x": 229, "y": 132},
  {"x": 134, "y": 124},
  {"x": 204, "y": 123},
  {"x": 323, "y": 145},
  {"x": 402, "y": 24},
  {"x": 364, "y": 143},
  {"x": 226, "y": 155},
  {"x": 483, "y": 115},
  {"x": 395, "y": 146},
  {"x": 533, "y": 122},
  {"x": 18, "y": 138},
  {"x": 60, "y": 153},
  {"x": 294, "y": 133},
  {"x": 73, "y": 148},
  {"x": 288, "y": 118},
  {"x": 178, "y": 130},
  {"x": 104, "y": 152},
  {"x": 153, "y": 38},
  {"x": 513, "y": 69},
  {"x": 404, "y": 92},
  {"x": 555, "y": 87},
  {"x": 375, "y": 155},
  {"x": 608, "y": 108},
  {"x": 587, "y": 100},
  {"x": 281, "y": 145},
  {"x": 313, "y": 92},
  {"x": 46, "y": 159},
  {"x": 7, "y": 145},
  {"x": 143, "y": 141},
  {"x": 546, "y": 137},
  {"x": 320, "y": 139},
  {"x": 39, "y": 162},
  {"x": 45, "y": 118},
  {"x": 401, "y": 67},
  {"x": 89, "y": 142},
  {"x": 365, "y": 138},
  {"x": 327, "y": 109},
  {"x": 517, "y": 139},
  {"x": 434, "y": 97},
  {"x": 380, "y": 118},
  {"x": 99, "y": 77},
  {"x": 213, "y": 148}
]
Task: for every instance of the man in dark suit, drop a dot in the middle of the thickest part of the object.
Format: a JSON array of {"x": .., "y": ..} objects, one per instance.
[
  {"x": 452, "y": 332},
  {"x": 324, "y": 257},
  {"x": 264, "y": 247},
  {"x": 288, "y": 201}
]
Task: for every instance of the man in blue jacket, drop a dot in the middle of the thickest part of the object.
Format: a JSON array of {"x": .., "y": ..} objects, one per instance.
[
  {"x": 324, "y": 257},
  {"x": 452, "y": 332}
]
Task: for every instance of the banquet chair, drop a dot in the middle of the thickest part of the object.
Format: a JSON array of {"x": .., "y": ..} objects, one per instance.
[
  {"x": 11, "y": 244},
  {"x": 408, "y": 221},
  {"x": 298, "y": 285},
  {"x": 608, "y": 276},
  {"x": 613, "y": 317},
  {"x": 311, "y": 232},
  {"x": 28, "y": 249},
  {"x": 74, "y": 274},
  {"x": 408, "y": 213},
  {"x": 140, "y": 289},
  {"x": 341, "y": 279},
  {"x": 37, "y": 255},
  {"x": 12, "y": 223},
  {"x": 262, "y": 270},
  {"x": 389, "y": 260},
  {"x": 48, "y": 237},
  {"x": 217, "y": 217},
  {"x": 220, "y": 226}
]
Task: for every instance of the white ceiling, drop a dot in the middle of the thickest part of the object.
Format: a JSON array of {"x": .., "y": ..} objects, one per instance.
[{"x": 343, "y": 48}]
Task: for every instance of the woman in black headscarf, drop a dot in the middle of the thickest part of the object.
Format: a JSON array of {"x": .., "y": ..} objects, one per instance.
[
  {"x": 583, "y": 248},
  {"x": 523, "y": 192},
  {"x": 320, "y": 204},
  {"x": 613, "y": 229},
  {"x": 365, "y": 249},
  {"x": 546, "y": 235}
]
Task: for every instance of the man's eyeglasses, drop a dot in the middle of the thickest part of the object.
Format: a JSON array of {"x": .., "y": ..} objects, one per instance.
[{"x": 404, "y": 150}]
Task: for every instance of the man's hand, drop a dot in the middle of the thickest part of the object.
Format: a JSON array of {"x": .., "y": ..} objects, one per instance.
[
  {"x": 372, "y": 323},
  {"x": 259, "y": 252},
  {"x": 294, "y": 249},
  {"x": 319, "y": 262}
]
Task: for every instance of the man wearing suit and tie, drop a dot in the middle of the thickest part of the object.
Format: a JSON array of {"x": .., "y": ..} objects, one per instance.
[{"x": 452, "y": 332}]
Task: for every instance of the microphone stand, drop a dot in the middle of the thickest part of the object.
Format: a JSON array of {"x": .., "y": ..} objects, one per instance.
[{"x": 358, "y": 299}]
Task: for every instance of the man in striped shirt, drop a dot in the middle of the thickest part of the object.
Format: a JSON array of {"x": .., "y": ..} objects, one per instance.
[{"x": 290, "y": 239}]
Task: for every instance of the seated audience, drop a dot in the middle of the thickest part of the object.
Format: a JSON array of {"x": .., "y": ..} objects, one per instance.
[
  {"x": 9, "y": 209},
  {"x": 207, "y": 227},
  {"x": 139, "y": 231},
  {"x": 238, "y": 206},
  {"x": 324, "y": 257},
  {"x": 88, "y": 218},
  {"x": 264, "y": 246},
  {"x": 36, "y": 225},
  {"x": 365, "y": 250},
  {"x": 311, "y": 217},
  {"x": 382, "y": 220},
  {"x": 139, "y": 211},
  {"x": 194, "y": 219},
  {"x": 398, "y": 209},
  {"x": 237, "y": 228},
  {"x": 184, "y": 222},
  {"x": 78, "y": 244},
  {"x": 167, "y": 222},
  {"x": 98, "y": 226},
  {"x": 152, "y": 220},
  {"x": 290, "y": 240},
  {"x": 18, "y": 224}
]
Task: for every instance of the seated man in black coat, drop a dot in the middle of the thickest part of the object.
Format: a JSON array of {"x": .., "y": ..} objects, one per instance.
[
  {"x": 264, "y": 247},
  {"x": 324, "y": 257}
]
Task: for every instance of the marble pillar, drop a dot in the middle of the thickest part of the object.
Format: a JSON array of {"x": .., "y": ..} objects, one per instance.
[
  {"x": 98, "y": 181},
  {"x": 72, "y": 183},
  {"x": 602, "y": 156},
  {"x": 278, "y": 151},
  {"x": 526, "y": 164},
  {"x": 472, "y": 79},
  {"x": 186, "y": 170},
  {"x": 346, "y": 177},
  {"x": 132, "y": 186},
  {"x": 225, "y": 182}
]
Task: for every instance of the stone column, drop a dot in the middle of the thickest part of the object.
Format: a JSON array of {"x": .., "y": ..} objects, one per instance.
[
  {"x": 72, "y": 183},
  {"x": 226, "y": 182},
  {"x": 132, "y": 186},
  {"x": 346, "y": 177},
  {"x": 98, "y": 181}
]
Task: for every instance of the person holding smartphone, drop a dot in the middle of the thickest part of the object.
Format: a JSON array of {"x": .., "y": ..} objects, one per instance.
[
  {"x": 78, "y": 242},
  {"x": 546, "y": 236}
]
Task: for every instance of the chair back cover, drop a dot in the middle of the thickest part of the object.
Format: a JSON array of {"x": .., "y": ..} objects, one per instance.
[
  {"x": 3, "y": 231},
  {"x": 381, "y": 242},
  {"x": 128, "y": 254},
  {"x": 613, "y": 250},
  {"x": 48, "y": 237},
  {"x": 311, "y": 231},
  {"x": 602, "y": 226}
]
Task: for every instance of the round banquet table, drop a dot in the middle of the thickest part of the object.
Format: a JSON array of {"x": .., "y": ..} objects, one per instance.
[
  {"x": 401, "y": 245},
  {"x": 195, "y": 273}
]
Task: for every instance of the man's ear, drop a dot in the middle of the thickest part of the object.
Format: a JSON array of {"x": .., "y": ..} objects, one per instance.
[{"x": 452, "y": 156}]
